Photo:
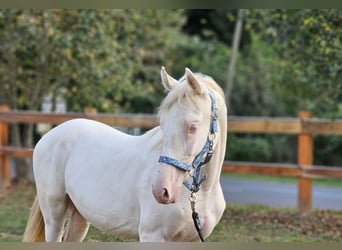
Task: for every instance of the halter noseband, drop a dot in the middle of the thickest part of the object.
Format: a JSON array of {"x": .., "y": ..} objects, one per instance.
[{"x": 202, "y": 157}]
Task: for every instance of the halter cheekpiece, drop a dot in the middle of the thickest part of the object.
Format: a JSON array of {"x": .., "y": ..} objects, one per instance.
[{"x": 202, "y": 157}]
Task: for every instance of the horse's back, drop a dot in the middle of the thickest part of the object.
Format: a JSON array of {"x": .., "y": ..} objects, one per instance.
[
  {"x": 53, "y": 150},
  {"x": 55, "y": 147},
  {"x": 96, "y": 166},
  {"x": 67, "y": 134}
]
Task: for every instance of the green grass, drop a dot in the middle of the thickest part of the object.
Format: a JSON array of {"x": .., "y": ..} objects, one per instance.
[
  {"x": 14, "y": 211},
  {"x": 284, "y": 179},
  {"x": 240, "y": 223},
  {"x": 95, "y": 235}
]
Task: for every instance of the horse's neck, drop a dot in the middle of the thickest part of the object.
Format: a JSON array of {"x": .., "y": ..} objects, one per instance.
[
  {"x": 152, "y": 140},
  {"x": 213, "y": 169},
  {"x": 214, "y": 166}
]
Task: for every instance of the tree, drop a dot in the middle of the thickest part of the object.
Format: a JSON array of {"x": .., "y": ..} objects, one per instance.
[
  {"x": 215, "y": 24},
  {"x": 108, "y": 59},
  {"x": 308, "y": 43},
  {"x": 234, "y": 54}
]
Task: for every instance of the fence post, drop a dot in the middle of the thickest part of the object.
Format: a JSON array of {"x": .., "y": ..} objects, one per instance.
[
  {"x": 305, "y": 157},
  {"x": 4, "y": 159}
]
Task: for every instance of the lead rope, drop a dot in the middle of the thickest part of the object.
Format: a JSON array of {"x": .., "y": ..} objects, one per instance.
[
  {"x": 197, "y": 166},
  {"x": 195, "y": 217}
]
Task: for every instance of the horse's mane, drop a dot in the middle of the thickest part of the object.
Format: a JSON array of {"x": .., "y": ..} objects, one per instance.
[
  {"x": 182, "y": 92},
  {"x": 211, "y": 83}
]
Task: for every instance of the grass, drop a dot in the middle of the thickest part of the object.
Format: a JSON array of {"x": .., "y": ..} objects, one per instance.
[
  {"x": 14, "y": 210},
  {"x": 240, "y": 223},
  {"x": 265, "y": 224},
  {"x": 283, "y": 179}
]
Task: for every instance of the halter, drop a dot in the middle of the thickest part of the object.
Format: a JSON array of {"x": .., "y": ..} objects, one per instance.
[
  {"x": 202, "y": 157},
  {"x": 195, "y": 168}
]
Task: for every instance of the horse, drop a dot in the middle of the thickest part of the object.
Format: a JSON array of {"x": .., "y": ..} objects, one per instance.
[{"x": 88, "y": 173}]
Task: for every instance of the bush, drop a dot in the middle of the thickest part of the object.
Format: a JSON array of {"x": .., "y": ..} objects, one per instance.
[{"x": 249, "y": 148}]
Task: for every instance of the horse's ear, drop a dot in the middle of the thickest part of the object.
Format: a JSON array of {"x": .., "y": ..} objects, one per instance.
[
  {"x": 168, "y": 81},
  {"x": 192, "y": 80}
]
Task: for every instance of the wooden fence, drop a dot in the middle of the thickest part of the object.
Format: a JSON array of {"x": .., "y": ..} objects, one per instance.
[{"x": 304, "y": 127}]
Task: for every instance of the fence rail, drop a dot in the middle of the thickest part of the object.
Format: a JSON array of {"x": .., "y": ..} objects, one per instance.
[
  {"x": 269, "y": 125},
  {"x": 278, "y": 169},
  {"x": 304, "y": 126}
]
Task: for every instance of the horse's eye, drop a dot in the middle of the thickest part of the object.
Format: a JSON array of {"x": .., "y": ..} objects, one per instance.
[{"x": 192, "y": 129}]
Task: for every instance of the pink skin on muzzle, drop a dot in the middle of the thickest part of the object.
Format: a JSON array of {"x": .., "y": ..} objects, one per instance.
[{"x": 168, "y": 184}]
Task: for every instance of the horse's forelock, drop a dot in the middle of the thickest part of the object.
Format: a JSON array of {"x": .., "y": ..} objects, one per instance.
[{"x": 175, "y": 95}]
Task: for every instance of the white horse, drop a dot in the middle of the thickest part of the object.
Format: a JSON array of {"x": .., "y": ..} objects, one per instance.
[{"x": 89, "y": 173}]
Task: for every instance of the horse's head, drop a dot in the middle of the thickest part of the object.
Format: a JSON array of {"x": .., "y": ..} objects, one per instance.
[{"x": 185, "y": 119}]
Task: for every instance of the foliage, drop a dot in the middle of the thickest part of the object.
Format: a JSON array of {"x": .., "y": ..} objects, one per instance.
[
  {"x": 254, "y": 95},
  {"x": 285, "y": 71},
  {"x": 201, "y": 56},
  {"x": 308, "y": 43},
  {"x": 214, "y": 24},
  {"x": 258, "y": 148},
  {"x": 23, "y": 69},
  {"x": 135, "y": 47},
  {"x": 108, "y": 59},
  {"x": 305, "y": 68},
  {"x": 327, "y": 150}
]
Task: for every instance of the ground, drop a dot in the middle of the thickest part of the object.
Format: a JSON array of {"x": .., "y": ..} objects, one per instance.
[{"x": 239, "y": 222}]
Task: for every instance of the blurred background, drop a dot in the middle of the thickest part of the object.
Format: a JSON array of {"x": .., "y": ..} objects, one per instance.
[{"x": 68, "y": 60}]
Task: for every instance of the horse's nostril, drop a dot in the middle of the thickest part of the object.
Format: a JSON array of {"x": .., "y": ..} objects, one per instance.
[{"x": 165, "y": 194}]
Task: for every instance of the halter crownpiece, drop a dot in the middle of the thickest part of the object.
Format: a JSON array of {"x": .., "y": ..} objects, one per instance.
[{"x": 202, "y": 157}]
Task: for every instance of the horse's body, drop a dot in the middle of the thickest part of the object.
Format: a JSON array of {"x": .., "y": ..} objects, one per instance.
[{"x": 98, "y": 175}]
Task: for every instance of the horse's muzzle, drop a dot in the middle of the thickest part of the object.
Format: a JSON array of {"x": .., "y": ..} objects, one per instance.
[{"x": 163, "y": 195}]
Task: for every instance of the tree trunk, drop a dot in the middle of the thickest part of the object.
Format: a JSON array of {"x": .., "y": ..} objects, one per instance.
[{"x": 233, "y": 56}]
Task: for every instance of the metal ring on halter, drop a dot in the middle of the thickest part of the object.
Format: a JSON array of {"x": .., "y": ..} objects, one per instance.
[{"x": 193, "y": 197}]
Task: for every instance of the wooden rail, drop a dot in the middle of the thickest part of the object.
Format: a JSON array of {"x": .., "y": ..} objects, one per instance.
[
  {"x": 284, "y": 125},
  {"x": 122, "y": 120},
  {"x": 15, "y": 152},
  {"x": 304, "y": 126},
  {"x": 278, "y": 169},
  {"x": 268, "y": 125}
]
